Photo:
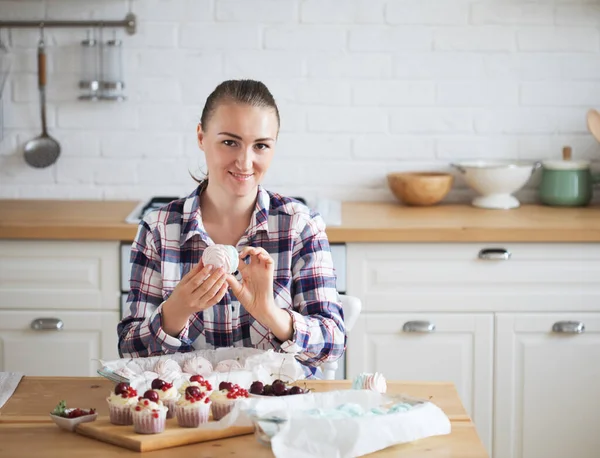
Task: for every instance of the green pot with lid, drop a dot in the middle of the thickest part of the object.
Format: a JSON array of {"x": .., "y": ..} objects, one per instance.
[{"x": 567, "y": 183}]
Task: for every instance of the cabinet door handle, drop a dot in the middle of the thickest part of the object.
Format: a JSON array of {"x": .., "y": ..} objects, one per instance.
[
  {"x": 568, "y": 327},
  {"x": 494, "y": 254},
  {"x": 418, "y": 326},
  {"x": 47, "y": 324}
]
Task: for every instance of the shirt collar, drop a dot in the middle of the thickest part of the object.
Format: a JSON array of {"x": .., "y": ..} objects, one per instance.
[{"x": 192, "y": 215}]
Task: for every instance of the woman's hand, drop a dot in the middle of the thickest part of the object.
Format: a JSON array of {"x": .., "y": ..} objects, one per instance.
[
  {"x": 201, "y": 288},
  {"x": 255, "y": 292}
]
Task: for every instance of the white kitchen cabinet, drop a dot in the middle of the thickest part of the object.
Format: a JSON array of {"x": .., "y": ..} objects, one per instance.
[
  {"x": 430, "y": 347},
  {"x": 74, "y": 275},
  {"x": 547, "y": 385},
  {"x": 462, "y": 287},
  {"x": 457, "y": 277},
  {"x": 73, "y": 350},
  {"x": 75, "y": 283}
]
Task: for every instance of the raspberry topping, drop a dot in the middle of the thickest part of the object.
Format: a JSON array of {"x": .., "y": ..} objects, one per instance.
[
  {"x": 125, "y": 391},
  {"x": 194, "y": 394},
  {"x": 201, "y": 381},
  {"x": 158, "y": 384},
  {"x": 233, "y": 391}
]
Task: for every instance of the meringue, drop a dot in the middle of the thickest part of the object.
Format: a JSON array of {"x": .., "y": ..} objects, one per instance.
[{"x": 225, "y": 256}]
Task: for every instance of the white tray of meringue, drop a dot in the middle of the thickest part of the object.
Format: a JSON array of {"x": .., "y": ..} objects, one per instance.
[{"x": 232, "y": 364}]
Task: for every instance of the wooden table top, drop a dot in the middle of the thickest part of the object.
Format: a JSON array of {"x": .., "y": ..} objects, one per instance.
[
  {"x": 361, "y": 222},
  {"x": 24, "y": 420}
]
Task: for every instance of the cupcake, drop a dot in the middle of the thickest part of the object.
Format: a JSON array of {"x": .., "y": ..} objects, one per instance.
[
  {"x": 120, "y": 402},
  {"x": 193, "y": 408},
  {"x": 374, "y": 382},
  {"x": 149, "y": 414},
  {"x": 224, "y": 400},
  {"x": 167, "y": 394},
  {"x": 225, "y": 256},
  {"x": 198, "y": 381}
]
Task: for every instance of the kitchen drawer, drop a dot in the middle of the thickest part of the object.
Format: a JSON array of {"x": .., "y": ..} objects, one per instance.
[
  {"x": 59, "y": 275},
  {"x": 455, "y": 347},
  {"x": 452, "y": 277},
  {"x": 71, "y": 348}
]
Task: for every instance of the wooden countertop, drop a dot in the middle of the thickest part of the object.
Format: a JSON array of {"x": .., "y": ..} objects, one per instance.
[
  {"x": 361, "y": 222},
  {"x": 24, "y": 420}
]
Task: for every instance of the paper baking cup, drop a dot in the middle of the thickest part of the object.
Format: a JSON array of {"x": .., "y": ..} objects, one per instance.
[
  {"x": 192, "y": 416},
  {"x": 170, "y": 404},
  {"x": 145, "y": 423},
  {"x": 220, "y": 409},
  {"x": 120, "y": 414}
]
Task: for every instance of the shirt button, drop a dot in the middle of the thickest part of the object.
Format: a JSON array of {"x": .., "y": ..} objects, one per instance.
[{"x": 233, "y": 308}]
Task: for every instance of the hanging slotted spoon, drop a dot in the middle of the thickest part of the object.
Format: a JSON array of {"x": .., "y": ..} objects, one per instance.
[{"x": 42, "y": 151}]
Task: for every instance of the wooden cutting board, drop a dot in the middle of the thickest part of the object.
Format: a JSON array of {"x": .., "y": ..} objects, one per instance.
[{"x": 172, "y": 436}]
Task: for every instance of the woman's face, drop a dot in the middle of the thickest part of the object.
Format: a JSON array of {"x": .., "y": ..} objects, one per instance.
[{"x": 239, "y": 142}]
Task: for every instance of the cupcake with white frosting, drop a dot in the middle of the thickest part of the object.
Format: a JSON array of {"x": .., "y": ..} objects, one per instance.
[
  {"x": 167, "y": 393},
  {"x": 193, "y": 407},
  {"x": 198, "y": 381},
  {"x": 225, "y": 399},
  {"x": 149, "y": 414},
  {"x": 120, "y": 402}
]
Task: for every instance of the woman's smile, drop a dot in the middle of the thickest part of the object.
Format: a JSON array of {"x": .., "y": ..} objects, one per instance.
[{"x": 241, "y": 177}]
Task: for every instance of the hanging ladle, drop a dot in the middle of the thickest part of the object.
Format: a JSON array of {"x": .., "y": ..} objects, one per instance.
[{"x": 42, "y": 151}]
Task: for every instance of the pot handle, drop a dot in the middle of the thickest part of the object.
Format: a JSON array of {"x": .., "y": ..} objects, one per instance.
[{"x": 536, "y": 165}]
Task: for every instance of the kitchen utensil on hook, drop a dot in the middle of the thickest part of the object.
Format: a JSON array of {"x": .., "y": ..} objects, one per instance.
[
  {"x": 42, "y": 151},
  {"x": 593, "y": 123}
]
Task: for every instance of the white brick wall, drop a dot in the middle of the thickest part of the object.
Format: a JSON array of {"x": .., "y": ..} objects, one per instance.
[{"x": 364, "y": 87}]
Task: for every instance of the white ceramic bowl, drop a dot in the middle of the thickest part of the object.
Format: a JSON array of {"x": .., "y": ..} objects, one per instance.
[
  {"x": 71, "y": 423},
  {"x": 496, "y": 180}
]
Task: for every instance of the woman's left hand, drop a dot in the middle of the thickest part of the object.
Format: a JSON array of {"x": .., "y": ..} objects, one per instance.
[{"x": 255, "y": 292}]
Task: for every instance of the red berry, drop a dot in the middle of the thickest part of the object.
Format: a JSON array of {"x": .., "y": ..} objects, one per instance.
[
  {"x": 157, "y": 384},
  {"x": 278, "y": 389},
  {"x": 121, "y": 388},
  {"x": 151, "y": 395},
  {"x": 296, "y": 390},
  {"x": 257, "y": 387},
  {"x": 155, "y": 415},
  {"x": 197, "y": 378},
  {"x": 193, "y": 391},
  {"x": 138, "y": 408},
  {"x": 207, "y": 400}
]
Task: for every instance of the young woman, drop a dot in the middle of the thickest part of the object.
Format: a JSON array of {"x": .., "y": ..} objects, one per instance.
[{"x": 284, "y": 297}]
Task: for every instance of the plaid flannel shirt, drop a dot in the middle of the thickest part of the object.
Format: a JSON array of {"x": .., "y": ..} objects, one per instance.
[{"x": 170, "y": 241}]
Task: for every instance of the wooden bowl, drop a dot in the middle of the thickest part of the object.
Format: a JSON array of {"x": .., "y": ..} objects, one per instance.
[{"x": 420, "y": 188}]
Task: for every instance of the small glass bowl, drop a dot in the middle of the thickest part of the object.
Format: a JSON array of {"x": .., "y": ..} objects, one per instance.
[{"x": 71, "y": 423}]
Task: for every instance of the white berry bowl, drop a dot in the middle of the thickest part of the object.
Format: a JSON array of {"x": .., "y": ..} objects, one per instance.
[
  {"x": 496, "y": 180},
  {"x": 71, "y": 423}
]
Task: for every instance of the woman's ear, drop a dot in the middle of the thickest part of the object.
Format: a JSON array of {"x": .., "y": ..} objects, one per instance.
[{"x": 200, "y": 135}]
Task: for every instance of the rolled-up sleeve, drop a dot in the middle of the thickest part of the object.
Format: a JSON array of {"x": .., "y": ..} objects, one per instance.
[
  {"x": 141, "y": 333},
  {"x": 317, "y": 316}
]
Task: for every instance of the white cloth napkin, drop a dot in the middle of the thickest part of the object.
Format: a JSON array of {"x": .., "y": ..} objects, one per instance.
[{"x": 8, "y": 384}]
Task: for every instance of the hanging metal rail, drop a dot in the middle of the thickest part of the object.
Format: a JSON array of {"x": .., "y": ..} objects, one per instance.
[{"x": 129, "y": 24}]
